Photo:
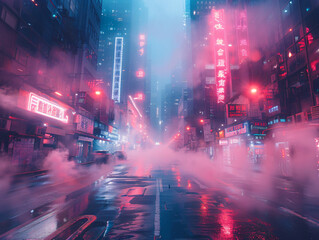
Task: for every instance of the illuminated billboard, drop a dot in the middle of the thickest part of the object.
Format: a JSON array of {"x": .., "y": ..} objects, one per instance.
[
  {"x": 241, "y": 128},
  {"x": 237, "y": 110},
  {"x": 47, "y": 108}
]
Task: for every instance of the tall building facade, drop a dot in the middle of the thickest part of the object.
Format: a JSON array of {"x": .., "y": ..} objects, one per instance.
[
  {"x": 122, "y": 60},
  {"x": 220, "y": 50},
  {"x": 48, "y": 64},
  {"x": 123, "y": 48},
  {"x": 290, "y": 61},
  {"x": 114, "y": 47}
]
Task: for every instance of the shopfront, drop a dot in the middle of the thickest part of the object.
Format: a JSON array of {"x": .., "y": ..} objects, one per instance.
[
  {"x": 35, "y": 125},
  {"x": 84, "y": 127},
  {"x": 243, "y": 141}
]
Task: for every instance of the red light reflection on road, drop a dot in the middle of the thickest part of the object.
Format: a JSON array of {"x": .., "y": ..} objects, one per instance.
[
  {"x": 178, "y": 181},
  {"x": 204, "y": 199},
  {"x": 204, "y": 206},
  {"x": 226, "y": 222}
]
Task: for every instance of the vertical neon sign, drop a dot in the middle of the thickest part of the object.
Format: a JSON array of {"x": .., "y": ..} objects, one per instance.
[
  {"x": 220, "y": 54},
  {"x": 140, "y": 73},
  {"x": 242, "y": 33},
  {"x": 117, "y": 69},
  {"x": 141, "y": 44}
]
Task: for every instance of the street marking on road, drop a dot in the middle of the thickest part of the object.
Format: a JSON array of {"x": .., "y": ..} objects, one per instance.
[
  {"x": 157, "y": 219},
  {"x": 315, "y": 222},
  {"x": 27, "y": 225}
]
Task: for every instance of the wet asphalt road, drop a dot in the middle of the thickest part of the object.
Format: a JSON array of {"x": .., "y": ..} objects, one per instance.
[{"x": 138, "y": 203}]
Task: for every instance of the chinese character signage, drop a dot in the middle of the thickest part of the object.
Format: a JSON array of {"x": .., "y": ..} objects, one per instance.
[
  {"x": 259, "y": 124},
  {"x": 141, "y": 44},
  {"x": 140, "y": 63},
  {"x": 84, "y": 124},
  {"x": 242, "y": 33},
  {"x": 237, "y": 110},
  {"x": 47, "y": 108},
  {"x": 220, "y": 51}
]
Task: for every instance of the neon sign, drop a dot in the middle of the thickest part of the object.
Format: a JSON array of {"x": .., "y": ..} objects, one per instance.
[
  {"x": 139, "y": 96},
  {"x": 141, "y": 44},
  {"x": 242, "y": 33},
  {"x": 220, "y": 54},
  {"x": 46, "y": 108},
  {"x": 140, "y": 73},
  {"x": 117, "y": 69},
  {"x": 237, "y": 110}
]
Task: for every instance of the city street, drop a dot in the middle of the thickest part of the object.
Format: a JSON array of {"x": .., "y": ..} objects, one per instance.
[
  {"x": 133, "y": 202},
  {"x": 159, "y": 119}
]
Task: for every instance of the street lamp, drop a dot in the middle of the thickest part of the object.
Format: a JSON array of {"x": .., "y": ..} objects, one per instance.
[{"x": 253, "y": 90}]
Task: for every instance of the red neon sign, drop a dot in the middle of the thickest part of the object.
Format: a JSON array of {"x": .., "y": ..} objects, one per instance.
[
  {"x": 139, "y": 96},
  {"x": 140, "y": 73},
  {"x": 220, "y": 54},
  {"x": 142, "y": 37},
  {"x": 46, "y": 108}
]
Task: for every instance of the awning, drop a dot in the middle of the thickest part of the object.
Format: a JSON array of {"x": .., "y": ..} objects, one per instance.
[{"x": 55, "y": 131}]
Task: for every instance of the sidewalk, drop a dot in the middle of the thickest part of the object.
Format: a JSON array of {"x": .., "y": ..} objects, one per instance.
[{"x": 24, "y": 205}]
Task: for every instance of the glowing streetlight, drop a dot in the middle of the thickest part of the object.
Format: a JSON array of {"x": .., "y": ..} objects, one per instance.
[
  {"x": 253, "y": 90},
  {"x": 98, "y": 93},
  {"x": 188, "y": 128}
]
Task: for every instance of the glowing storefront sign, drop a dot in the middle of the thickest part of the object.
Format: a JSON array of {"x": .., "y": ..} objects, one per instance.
[
  {"x": 236, "y": 130},
  {"x": 237, "y": 110},
  {"x": 220, "y": 47},
  {"x": 47, "y": 108},
  {"x": 84, "y": 124},
  {"x": 223, "y": 142},
  {"x": 140, "y": 73}
]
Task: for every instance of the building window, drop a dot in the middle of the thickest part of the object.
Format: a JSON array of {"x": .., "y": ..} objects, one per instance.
[{"x": 9, "y": 18}]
